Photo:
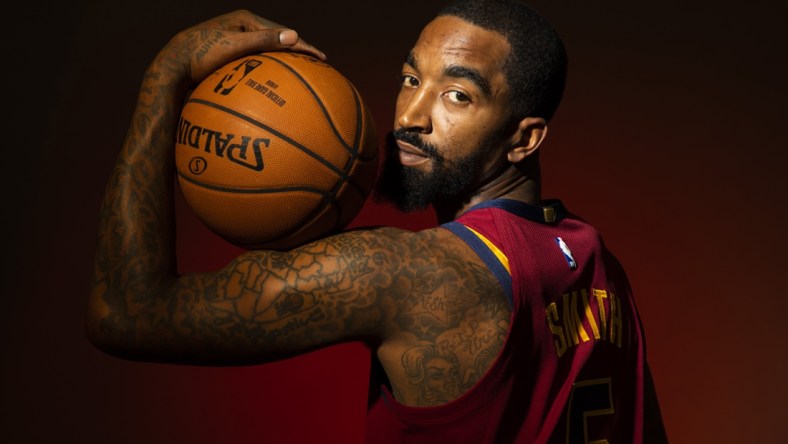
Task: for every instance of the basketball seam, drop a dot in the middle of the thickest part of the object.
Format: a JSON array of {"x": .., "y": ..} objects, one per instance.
[
  {"x": 354, "y": 154},
  {"x": 325, "y": 194},
  {"x": 360, "y": 127},
  {"x": 353, "y": 151},
  {"x": 342, "y": 141},
  {"x": 272, "y": 131},
  {"x": 329, "y": 197}
]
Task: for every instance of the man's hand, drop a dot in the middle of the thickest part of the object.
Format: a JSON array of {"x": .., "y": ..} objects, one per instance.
[
  {"x": 198, "y": 51},
  {"x": 135, "y": 270}
]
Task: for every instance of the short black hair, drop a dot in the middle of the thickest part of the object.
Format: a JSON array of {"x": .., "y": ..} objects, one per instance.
[{"x": 536, "y": 66}]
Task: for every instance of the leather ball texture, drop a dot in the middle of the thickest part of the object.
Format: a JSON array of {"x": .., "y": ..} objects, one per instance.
[{"x": 275, "y": 150}]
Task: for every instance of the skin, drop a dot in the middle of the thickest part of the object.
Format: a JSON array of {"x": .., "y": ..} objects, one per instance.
[
  {"x": 455, "y": 96},
  {"x": 405, "y": 293},
  {"x": 428, "y": 305}
]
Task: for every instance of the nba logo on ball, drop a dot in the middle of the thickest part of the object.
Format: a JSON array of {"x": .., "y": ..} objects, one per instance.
[
  {"x": 275, "y": 150},
  {"x": 235, "y": 75}
]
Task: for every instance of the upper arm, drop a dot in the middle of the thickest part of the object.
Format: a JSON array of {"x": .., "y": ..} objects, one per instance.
[
  {"x": 410, "y": 291},
  {"x": 266, "y": 304}
]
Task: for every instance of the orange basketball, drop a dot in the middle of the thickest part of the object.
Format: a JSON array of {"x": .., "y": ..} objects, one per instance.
[{"x": 275, "y": 150}]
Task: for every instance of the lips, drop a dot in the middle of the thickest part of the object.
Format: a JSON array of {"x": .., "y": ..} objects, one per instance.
[{"x": 409, "y": 155}]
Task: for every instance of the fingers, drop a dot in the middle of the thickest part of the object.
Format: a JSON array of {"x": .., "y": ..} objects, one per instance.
[
  {"x": 249, "y": 21},
  {"x": 276, "y": 40},
  {"x": 288, "y": 37},
  {"x": 266, "y": 35},
  {"x": 196, "y": 52},
  {"x": 302, "y": 46}
]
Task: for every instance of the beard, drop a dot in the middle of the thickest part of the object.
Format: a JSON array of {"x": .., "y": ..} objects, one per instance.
[{"x": 410, "y": 189}]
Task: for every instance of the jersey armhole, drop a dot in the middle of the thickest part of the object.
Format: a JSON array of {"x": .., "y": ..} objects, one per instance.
[{"x": 492, "y": 256}]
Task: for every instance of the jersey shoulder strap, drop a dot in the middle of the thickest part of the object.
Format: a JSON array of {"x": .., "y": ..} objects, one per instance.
[{"x": 492, "y": 256}]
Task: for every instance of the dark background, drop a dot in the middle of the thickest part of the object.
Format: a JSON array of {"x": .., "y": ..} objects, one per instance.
[{"x": 671, "y": 140}]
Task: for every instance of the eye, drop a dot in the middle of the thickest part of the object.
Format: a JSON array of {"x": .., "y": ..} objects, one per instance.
[
  {"x": 409, "y": 81},
  {"x": 458, "y": 96}
]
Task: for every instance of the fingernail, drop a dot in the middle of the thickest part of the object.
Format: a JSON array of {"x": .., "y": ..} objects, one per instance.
[{"x": 288, "y": 37}]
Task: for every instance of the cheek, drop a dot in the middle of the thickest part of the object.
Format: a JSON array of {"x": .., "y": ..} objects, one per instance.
[
  {"x": 463, "y": 125},
  {"x": 449, "y": 128},
  {"x": 458, "y": 137}
]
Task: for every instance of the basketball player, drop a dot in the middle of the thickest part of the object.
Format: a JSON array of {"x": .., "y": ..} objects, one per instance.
[{"x": 509, "y": 322}]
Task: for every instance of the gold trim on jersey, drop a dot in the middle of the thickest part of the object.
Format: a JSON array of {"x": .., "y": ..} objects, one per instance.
[{"x": 498, "y": 253}]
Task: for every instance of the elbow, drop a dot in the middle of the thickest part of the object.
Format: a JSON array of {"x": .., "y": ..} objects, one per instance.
[
  {"x": 110, "y": 338},
  {"x": 94, "y": 332},
  {"x": 95, "y": 313},
  {"x": 97, "y": 333},
  {"x": 100, "y": 329}
]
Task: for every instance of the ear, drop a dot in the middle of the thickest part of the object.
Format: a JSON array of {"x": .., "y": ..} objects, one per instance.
[{"x": 529, "y": 134}]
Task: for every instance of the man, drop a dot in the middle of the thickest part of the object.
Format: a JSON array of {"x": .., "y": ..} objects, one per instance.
[{"x": 510, "y": 322}]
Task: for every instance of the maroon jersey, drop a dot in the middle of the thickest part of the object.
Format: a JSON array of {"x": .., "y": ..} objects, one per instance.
[{"x": 572, "y": 367}]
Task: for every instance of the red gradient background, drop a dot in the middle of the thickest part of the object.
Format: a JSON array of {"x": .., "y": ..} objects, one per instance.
[{"x": 671, "y": 140}]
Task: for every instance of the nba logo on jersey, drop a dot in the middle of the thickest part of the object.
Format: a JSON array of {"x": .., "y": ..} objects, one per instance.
[{"x": 567, "y": 253}]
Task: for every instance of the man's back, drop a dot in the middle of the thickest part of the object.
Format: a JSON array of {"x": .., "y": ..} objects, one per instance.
[
  {"x": 573, "y": 359},
  {"x": 445, "y": 317}
]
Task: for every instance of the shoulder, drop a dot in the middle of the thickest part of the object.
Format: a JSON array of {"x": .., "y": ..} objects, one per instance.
[
  {"x": 367, "y": 260},
  {"x": 405, "y": 267},
  {"x": 441, "y": 311},
  {"x": 393, "y": 241}
]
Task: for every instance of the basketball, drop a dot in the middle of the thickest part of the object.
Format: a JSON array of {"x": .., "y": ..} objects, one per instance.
[{"x": 275, "y": 150}]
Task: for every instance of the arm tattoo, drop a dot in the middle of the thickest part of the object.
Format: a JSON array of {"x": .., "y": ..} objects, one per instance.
[
  {"x": 364, "y": 284},
  {"x": 461, "y": 325}
]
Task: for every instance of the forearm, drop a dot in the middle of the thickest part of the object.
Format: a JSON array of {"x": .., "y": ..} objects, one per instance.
[
  {"x": 139, "y": 308},
  {"x": 135, "y": 262}
]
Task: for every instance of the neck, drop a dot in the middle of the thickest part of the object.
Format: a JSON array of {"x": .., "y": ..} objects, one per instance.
[{"x": 512, "y": 183}]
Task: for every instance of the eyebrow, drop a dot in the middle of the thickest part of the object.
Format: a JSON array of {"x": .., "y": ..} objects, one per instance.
[
  {"x": 460, "y": 72},
  {"x": 410, "y": 60}
]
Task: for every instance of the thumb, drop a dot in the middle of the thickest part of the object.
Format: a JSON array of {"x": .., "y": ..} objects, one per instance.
[
  {"x": 277, "y": 40},
  {"x": 265, "y": 40},
  {"x": 288, "y": 37}
]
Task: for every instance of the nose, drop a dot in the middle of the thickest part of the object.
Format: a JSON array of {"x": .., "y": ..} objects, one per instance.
[{"x": 413, "y": 111}]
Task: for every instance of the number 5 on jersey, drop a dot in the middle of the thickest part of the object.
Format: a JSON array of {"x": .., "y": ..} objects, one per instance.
[{"x": 589, "y": 398}]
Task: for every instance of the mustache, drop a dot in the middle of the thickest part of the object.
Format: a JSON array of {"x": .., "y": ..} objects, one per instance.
[{"x": 413, "y": 138}]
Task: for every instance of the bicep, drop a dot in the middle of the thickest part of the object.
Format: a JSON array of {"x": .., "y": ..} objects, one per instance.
[{"x": 265, "y": 305}]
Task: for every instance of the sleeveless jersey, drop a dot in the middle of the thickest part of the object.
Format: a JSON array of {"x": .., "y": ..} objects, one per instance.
[{"x": 572, "y": 367}]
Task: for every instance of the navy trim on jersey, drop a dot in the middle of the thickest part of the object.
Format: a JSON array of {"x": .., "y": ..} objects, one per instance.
[
  {"x": 533, "y": 213},
  {"x": 485, "y": 254}
]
